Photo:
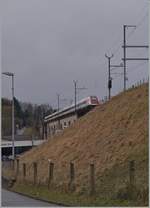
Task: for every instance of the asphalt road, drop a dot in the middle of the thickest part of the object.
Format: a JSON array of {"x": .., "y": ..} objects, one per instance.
[{"x": 11, "y": 199}]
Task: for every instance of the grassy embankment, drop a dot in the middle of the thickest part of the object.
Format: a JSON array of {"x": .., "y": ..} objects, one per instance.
[{"x": 111, "y": 136}]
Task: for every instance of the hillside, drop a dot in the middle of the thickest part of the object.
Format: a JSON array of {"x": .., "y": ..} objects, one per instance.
[{"x": 109, "y": 136}]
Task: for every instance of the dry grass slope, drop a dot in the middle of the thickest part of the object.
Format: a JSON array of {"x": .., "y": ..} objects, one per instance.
[{"x": 110, "y": 136}]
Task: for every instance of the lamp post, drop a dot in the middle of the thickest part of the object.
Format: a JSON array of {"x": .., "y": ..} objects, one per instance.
[{"x": 13, "y": 136}]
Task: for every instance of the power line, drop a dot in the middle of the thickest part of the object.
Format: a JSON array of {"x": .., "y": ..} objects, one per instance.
[
  {"x": 137, "y": 66},
  {"x": 141, "y": 21},
  {"x": 118, "y": 75},
  {"x": 117, "y": 44},
  {"x": 116, "y": 49},
  {"x": 131, "y": 33}
]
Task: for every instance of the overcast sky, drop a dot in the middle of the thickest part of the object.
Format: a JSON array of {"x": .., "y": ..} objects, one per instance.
[{"x": 50, "y": 43}]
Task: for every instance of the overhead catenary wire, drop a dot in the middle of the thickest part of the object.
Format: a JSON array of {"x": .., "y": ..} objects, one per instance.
[
  {"x": 117, "y": 43},
  {"x": 138, "y": 25},
  {"x": 140, "y": 22},
  {"x": 132, "y": 69}
]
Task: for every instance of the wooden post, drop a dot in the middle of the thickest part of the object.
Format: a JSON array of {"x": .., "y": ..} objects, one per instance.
[
  {"x": 72, "y": 177},
  {"x": 132, "y": 173},
  {"x": 32, "y": 141},
  {"x": 72, "y": 172},
  {"x": 17, "y": 168},
  {"x": 35, "y": 173},
  {"x": 132, "y": 179},
  {"x": 51, "y": 172},
  {"x": 92, "y": 179},
  {"x": 24, "y": 170},
  {"x": 13, "y": 164}
]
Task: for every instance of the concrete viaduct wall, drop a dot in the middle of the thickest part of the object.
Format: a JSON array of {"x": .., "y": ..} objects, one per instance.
[{"x": 56, "y": 125}]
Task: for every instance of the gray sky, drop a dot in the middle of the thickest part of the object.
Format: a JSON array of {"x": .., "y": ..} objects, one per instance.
[{"x": 49, "y": 43}]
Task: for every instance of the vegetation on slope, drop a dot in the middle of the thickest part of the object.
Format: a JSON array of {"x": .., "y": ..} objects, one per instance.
[{"x": 109, "y": 136}]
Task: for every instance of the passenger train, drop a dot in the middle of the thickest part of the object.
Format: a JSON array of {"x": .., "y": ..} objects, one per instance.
[{"x": 90, "y": 101}]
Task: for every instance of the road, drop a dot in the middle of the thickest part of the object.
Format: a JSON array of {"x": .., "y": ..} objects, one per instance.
[{"x": 11, "y": 199}]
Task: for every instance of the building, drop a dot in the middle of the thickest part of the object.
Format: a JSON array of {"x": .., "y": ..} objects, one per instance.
[{"x": 62, "y": 119}]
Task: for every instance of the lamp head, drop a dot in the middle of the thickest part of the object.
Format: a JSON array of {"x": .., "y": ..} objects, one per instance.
[{"x": 8, "y": 73}]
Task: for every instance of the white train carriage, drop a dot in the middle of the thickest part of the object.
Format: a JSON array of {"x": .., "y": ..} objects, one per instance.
[{"x": 67, "y": 116}]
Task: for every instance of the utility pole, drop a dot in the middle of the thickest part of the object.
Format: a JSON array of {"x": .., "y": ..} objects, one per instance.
[
  {"x": 109, "y": 77},
  {"x": 125, "y": 46},
  {"x": 13, "y": 120},
  {"x": 75, "y": 94},
  {"x": 124, "y": 54},
  {"x": 58, "y": 108},
  {"x": 124, "y": 51},
  {"x": 58, "y": 101}
]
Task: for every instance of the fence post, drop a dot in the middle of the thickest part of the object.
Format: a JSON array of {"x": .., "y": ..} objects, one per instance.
[
  {"x": 92, "y": 179},
  {"x": 13, "y": 164},
  {"x": 17, "y": 168},
  {"x": 72, "y": 177},
  {"x": 24, "y": 170},
  {"x": 35, "y": 173},
  {"x": 132, "y": 179},
  {"x": 51, "y": 173},
  {"x": 32, "y": 141},
  {"x": 132, "y": 173}
]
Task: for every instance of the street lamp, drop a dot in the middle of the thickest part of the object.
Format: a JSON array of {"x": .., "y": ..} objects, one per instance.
[{"x": 13, "y": 137}]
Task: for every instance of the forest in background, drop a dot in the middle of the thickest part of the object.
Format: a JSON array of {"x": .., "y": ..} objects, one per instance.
[{"x": 27, "y": 115}]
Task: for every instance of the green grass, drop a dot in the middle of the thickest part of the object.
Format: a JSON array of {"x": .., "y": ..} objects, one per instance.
[
  {"x": 68, "y": 199},
  {"x": 112, "y": 191},
  {"x": 113, "y": 187}
]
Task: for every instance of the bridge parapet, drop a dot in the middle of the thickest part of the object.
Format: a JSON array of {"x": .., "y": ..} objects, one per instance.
[{"x": 24, "y": 143}]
